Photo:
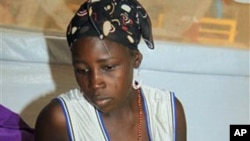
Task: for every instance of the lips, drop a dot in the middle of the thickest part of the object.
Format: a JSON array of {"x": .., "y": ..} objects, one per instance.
[{"x": 101, "y": 101}]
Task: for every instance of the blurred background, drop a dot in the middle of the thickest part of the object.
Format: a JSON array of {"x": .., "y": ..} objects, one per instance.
[{"x": 223, "y": 23}]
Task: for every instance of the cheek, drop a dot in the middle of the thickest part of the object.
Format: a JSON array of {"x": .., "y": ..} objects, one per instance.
[
  {"x": 125, "y": 76},
  {"x": 81, "y": 81}
]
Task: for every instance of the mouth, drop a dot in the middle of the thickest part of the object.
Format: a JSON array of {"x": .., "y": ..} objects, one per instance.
[{"x": 101, "y": 102}]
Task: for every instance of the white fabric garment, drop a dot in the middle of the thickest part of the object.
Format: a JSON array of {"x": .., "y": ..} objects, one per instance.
[{"x": 85, "y": 123}]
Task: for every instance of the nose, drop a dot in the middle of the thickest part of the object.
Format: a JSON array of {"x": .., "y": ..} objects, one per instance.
[{"x": 96, "y": 80}]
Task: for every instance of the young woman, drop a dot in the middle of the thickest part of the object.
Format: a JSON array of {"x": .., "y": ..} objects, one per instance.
[{"x": 110, "y": 105}]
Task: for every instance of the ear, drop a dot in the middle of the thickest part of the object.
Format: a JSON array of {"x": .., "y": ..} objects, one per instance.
[{"x": 137, "y": 59}]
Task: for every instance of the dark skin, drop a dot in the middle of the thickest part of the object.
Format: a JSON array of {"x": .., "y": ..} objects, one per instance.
[{"x": 104, "y": 72}]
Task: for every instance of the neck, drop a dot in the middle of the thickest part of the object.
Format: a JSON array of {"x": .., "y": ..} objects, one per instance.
[
  {"x": 130, "y": 118},
  {"x": 126, "y": 110}
]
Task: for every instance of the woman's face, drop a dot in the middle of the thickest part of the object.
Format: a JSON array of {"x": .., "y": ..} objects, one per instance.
[{"x": 104, "y": 71}]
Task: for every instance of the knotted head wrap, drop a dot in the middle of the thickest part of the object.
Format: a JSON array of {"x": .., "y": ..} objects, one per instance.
[{"x": 122, "y": 21}]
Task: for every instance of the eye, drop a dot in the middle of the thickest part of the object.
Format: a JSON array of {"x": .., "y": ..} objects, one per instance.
[
  {"x": 81, "y": 71},
  {"x": 108, "y": 67}
]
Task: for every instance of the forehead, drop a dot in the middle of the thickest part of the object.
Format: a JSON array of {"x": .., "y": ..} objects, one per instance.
[{"x": 93, "y": 47}]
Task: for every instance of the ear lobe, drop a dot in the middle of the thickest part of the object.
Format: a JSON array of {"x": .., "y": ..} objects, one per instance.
[{"x": 137, "y": 60}]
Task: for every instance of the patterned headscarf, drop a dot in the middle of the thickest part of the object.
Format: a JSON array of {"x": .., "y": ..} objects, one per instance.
[{"x": 122, "y": 21}]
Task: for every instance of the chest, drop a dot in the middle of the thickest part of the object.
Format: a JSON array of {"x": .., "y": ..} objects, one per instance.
[
  {"x": 128, "y": 131},
  {"x": 88, "y": 125}
]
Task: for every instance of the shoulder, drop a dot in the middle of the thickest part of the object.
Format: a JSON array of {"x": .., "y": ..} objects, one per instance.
[
  {"x": 51, "y": 124},
  {"x": 180, "y": 121},
  {"x": 149, "y": 89},
  {"x": 166, "y": 100},
  {"x": 154, "y": 93},
  {"x": 71, "y": 95}
]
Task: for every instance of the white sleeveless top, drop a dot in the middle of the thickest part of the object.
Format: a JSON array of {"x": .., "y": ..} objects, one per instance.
[{"x": 85, "y": 123}]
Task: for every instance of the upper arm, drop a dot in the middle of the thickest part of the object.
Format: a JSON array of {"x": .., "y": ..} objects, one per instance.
[
  {"x": 51, "y": 124},
  {"x": 181, "y": 133}
]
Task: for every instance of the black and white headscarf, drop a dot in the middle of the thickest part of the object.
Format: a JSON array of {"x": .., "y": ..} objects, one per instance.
[{"x": 122, "y": 21}]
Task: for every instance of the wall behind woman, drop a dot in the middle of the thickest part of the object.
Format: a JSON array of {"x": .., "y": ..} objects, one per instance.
[{"x": 212, "y": 83}]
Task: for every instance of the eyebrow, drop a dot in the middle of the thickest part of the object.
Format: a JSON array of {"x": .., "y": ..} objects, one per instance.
[{"x": 101, "y": 60}]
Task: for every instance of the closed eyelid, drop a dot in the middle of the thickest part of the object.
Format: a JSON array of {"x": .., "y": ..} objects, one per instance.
[
  {"x": 109, "y": 67},
  {"x": 80, "y": 67}
]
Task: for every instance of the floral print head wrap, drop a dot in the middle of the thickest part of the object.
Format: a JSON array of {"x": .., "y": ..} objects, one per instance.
[{"x": 122, "y": 21}]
